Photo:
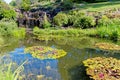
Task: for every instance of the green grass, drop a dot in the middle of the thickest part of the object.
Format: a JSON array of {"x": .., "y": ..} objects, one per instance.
[
  {"x": 99, "y": 6},
  {"x": 6, "y": 72},
  {"x": 1, "y": 41},
  {"x": 109, "y": 32}
]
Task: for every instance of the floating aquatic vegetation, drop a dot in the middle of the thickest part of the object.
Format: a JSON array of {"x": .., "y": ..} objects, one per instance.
[
  {"x": 42, "y": 52},
  {"x": 101, "y": 68},
  {"x": 107, "y": 46}
]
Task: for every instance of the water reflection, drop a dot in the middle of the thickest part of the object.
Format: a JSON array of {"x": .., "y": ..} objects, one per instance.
[
  {"x": 69, "y": 67},
  {"x": 35, "y": 68}
]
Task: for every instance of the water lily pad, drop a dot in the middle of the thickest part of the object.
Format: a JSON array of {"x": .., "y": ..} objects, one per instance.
[
  {"x": 43, "y": 52},
  {"x": 107, "y": 46},
  {"x": 101, "y": 68}
]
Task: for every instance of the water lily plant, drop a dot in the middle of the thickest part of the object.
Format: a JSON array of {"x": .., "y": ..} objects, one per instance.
[
  {"x": 43, "y": 52},
  {"x": 107, "y": 46},
  {"x": 101, "y": 68}
]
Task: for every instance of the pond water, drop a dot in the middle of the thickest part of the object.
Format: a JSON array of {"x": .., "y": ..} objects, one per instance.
[{"x": 69, "y": 67}]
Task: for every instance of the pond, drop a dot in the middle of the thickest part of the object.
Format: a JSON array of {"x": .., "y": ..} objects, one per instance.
[{"x": 69, "y": 67}]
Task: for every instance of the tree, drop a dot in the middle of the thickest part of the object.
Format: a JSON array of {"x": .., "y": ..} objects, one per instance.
[
  {"x": 13, "y": 3},
  {"x": 6, "y": 11},
  {"x": 26, "y": 4}
]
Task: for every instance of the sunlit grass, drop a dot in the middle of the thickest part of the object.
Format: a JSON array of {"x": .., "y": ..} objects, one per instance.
[{"x": 99, "y": 6}]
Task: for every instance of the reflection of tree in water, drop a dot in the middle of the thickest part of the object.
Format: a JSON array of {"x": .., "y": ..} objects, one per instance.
[
  {"x": 70, "y": 66},
  {"x": 76, "y": 42},
  {"x": 78, "y": 73}
]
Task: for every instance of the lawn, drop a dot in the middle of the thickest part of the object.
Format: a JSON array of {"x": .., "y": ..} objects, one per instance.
[{"x": 103, "y": 6}]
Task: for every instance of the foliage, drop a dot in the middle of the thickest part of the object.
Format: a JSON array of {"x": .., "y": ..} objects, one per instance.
[
  {"x": 67, "y": 5},
  {"x": 101, "y": 68},
  {"x": 84, "y": 22},
  {"x": 74, "y": 15},
  {"x": 26, "y": 4},
  {"x": 46, "y": 23},
  {"x": 108, "y": 28},
  {"x": 107, "y": 46},
  {"x": 19, "y": 33},
  {"x": 6, "y": 11},
  {"x": 1, "y": 41},
  {"x": 6, "y": 72},
  {"x": 7, "y": 26},
  {"x": 104, "y": 21},
  {"x": 13, "y": 3},
  {"x": 60, "y": 32},
  {"x": 60, "y": 19},
  {"x": 108, "y": 32},
  {"x": 11, "y": 14},
  {"x": 42, "y": 52}
]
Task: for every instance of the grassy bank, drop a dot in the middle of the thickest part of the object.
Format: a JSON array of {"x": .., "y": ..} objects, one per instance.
[{"x": 111, "y": 32}]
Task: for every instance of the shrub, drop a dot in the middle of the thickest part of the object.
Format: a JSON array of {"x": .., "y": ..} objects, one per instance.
[
  {"x": 60, "y": 19},
  {"x": 7, "y": 26},
  {"x": 101, "y": 68},
  {"x": 74, "y": 15},
  {"x": 37, "y": 31},
  {"x": 6, "y": 11},
  {"x": 19, "y": 33},
  {"x": 11, "y": 14},
  {"x": 46, "y": 23},
  {"x": 26, "y": 4},
  {"x": 66, "y": 5},
  {"x": 104, "y": 21},
  {"x": 84, "y": 22}
]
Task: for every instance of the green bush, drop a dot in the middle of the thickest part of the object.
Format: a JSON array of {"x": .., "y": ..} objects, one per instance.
[
  {"x": 46, "y": 23},
  {"x": 26, "y": 5},
  {"x": 67, "y": 5},
  {"x": 60, "y": 19},
  {"x": 74, "y": 15},
  {"x": 19, "y": 33},
  {"x": 6, "y": 11},
  {"x": 38, "y": 32},
  {"x": 84, "y": 22},
  {"x": 11, "y": 14},
  {"x": 7, "y": 26},
  {"x": 104, "y": 21}
]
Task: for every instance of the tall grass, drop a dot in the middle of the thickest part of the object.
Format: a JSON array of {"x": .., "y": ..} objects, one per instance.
[
  {"x": 58, "y": 32},
  {"x": 6, "y": 72},
  {"x": 1, "y": 41},
  {"x": 110, "y": 32}
]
